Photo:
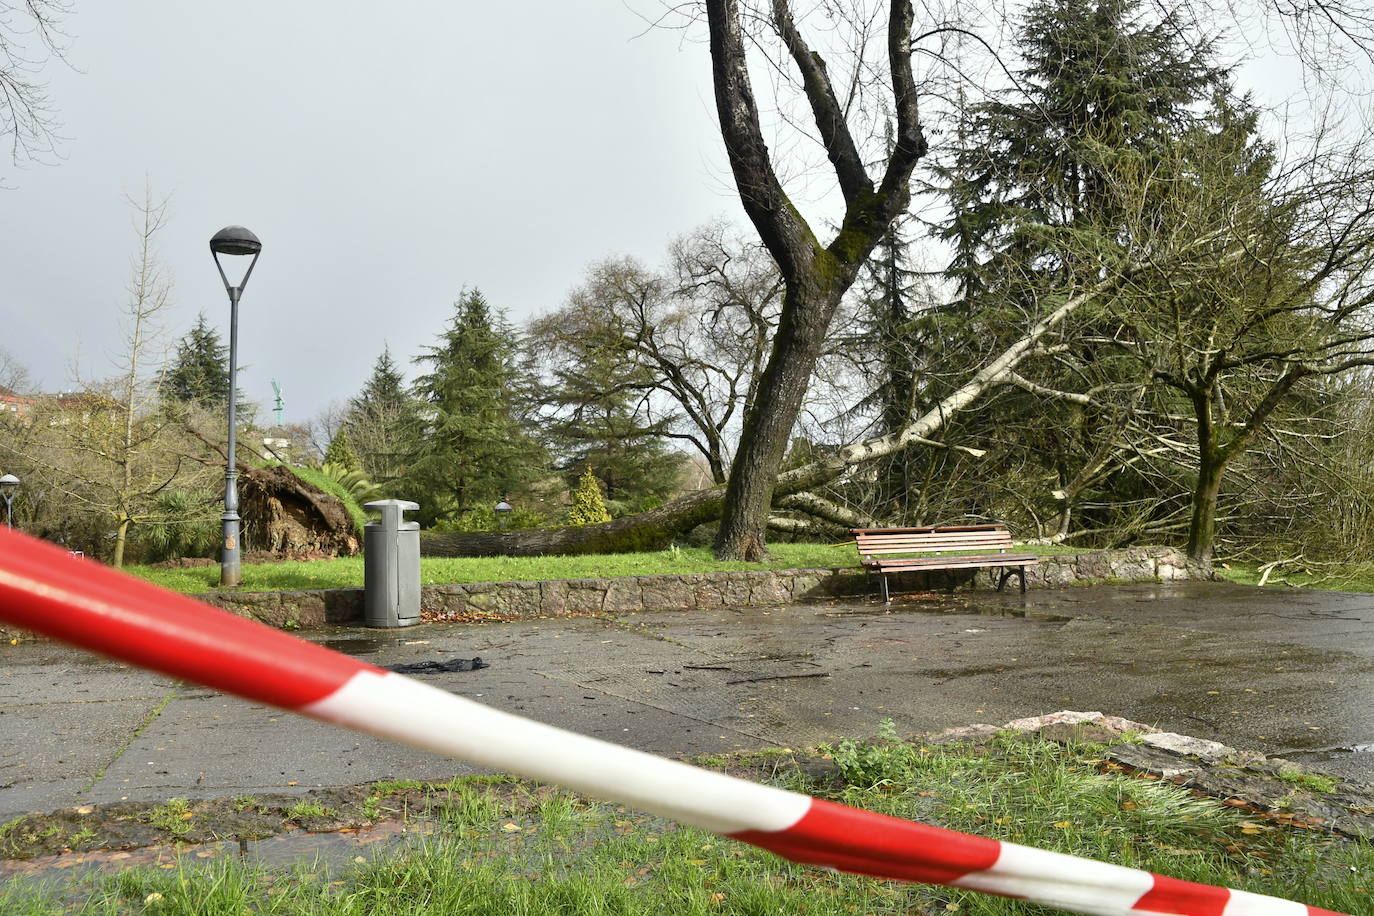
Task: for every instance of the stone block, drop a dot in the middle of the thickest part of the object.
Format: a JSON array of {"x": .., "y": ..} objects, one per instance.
[
  {"x": 805, "y": 585},
  {"x": 1064, "y": 717},
  {"x": 1166, "y": 571},
  {"x": 586, "y": 596},
  {"x": 522, "y": 599},
  {"x": 553, "y": 597},
  {"x": 486, "y": 600},
  {"x": 666, "y": 593},
  {"x": 1133, "y": 569},
  {"x": 1093, "y": 565},
  {"x": 1153, "y": 760},
  {"x": 1078, "y": 733},
  {"x": 1263, "y": 792},
  {"x": 442, "y": 600},
  {"x": 1057, "y": 573},
  {"x": 735, "y": 589},
  {"x": 307, "y": 608},
  {"x": 1121, "y": 726},
  {"x": 622, "y": 596},
  {"x": 1209, "y": 752},
  {"x": 768, "y": 590},
  {"x": 709, "y": 589},
  {"x": 962, "y": 734}
]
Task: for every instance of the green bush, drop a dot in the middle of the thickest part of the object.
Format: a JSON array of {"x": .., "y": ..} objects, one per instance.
[
  {"x": 183, "y": 523},
  {"x": 588, "y": 506},
  {"x": 483, "y": 518}
]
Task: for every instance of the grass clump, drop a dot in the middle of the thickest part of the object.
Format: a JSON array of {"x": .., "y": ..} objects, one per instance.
[
  {"x": 173, "y": 818},
  {"x": 1313, "y": 782},
  {"x": 305, "y": 810}
]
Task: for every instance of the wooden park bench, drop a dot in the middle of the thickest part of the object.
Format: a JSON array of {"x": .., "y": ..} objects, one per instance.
[{"x": 881, "y": 550}]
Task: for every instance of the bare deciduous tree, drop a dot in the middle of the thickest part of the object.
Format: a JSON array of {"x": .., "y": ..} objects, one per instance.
[{"x": 30, "y": 35}]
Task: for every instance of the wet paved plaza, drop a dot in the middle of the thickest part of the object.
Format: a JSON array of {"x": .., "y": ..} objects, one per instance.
[{"x": 1283, "y": 671}]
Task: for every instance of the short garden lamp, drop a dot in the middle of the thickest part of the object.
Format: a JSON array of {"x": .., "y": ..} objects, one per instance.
[
  {"x": 233, "y": 240},
  {"x": 9, "y": 485},
  {"x": 503, "y": 511}
]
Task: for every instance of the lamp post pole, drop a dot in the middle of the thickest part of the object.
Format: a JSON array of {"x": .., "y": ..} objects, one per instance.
[
  {"x": 230, "y": 572},
  {"x": 233, "y": 240}
]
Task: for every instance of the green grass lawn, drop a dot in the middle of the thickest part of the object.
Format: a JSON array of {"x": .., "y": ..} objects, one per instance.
[
  {"x": 515, "y": 848},
  {"x": 347, "y": 572}
]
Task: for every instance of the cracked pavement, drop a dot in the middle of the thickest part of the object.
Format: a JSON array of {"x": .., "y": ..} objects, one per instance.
[{"x": 1276, "y": 670}]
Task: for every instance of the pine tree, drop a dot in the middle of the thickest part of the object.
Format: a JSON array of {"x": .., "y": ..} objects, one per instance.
[
  {"x": 469, "y": 446},
  {"x": 340, "y": 452},
  {"x": 379, "y": 420},
  {"x": 200, "y": 372},
  {"x": 588, "y": 508},
  {"x": 1106, "y": 89}
]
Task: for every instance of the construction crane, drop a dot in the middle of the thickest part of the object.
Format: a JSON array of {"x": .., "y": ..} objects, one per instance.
[{"x": 280, "y": 403}]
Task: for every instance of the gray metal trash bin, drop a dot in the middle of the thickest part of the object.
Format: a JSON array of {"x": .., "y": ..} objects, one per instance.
[{"x": 391, "y": 566}]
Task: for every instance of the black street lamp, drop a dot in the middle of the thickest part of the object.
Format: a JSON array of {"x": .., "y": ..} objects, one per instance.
[
  {"x": 503, "y": 510},
  {"x": 233, "y": 240},
  {"x": 9, "y": 485}
]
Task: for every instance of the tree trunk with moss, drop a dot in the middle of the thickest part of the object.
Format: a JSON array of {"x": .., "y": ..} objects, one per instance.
[{"x": 815, "y": 276}]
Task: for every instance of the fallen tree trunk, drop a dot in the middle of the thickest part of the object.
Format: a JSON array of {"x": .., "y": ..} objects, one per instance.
[{"x": 656, "y": 529}]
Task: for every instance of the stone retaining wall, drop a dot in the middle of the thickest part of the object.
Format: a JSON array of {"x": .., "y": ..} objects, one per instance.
[{"x": 753, "y": 588}]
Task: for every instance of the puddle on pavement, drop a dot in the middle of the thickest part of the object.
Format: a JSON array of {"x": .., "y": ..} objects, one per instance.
[
  {"x": 946, "y": 609},
  {"x": 357, "y": 645},
  {"x": 319, "y": 850}
]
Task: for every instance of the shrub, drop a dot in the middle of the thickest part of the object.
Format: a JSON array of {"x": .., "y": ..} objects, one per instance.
[{"x": 588, "y": 507}]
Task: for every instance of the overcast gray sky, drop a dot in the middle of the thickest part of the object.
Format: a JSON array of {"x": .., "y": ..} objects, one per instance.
[{"x": 386, "y": 154}]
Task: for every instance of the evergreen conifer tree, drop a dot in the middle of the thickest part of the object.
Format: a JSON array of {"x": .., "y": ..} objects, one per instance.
[
  {"x": 200, "y": 372},
  {"x": 1107, "y": 88},
  {"x": 469, "y": 446},
  {"x": 379, "y": 420},
  {"x": 588, "y": 508},
  {"x": 340, "y": 452}
]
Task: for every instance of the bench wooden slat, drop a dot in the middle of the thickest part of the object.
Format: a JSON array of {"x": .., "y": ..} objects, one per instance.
[
  {"x": 928, "y": 528},
  {"x": 932, "y": 544},
  {"x": 988, "y": 559},
  {"x": 926, "y": 536},
  {"x": 930, "y": 548},
  {"x": 936, "y": 538}
]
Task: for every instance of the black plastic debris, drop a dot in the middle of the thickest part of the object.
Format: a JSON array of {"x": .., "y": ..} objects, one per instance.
[{"x": 453, "y": 664}]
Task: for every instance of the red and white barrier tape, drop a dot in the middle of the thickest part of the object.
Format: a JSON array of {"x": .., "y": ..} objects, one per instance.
[{"x": 84, "y": 603}]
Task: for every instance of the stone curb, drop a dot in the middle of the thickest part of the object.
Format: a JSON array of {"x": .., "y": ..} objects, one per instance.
[
  {"x": 749, "y": 588},
  {"x": 294, "y": 610}
]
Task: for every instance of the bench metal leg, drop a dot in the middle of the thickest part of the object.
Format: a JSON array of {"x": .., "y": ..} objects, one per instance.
[
  {"x": 887, "y": 596},
  {"x": 1007, "y": 573}
]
